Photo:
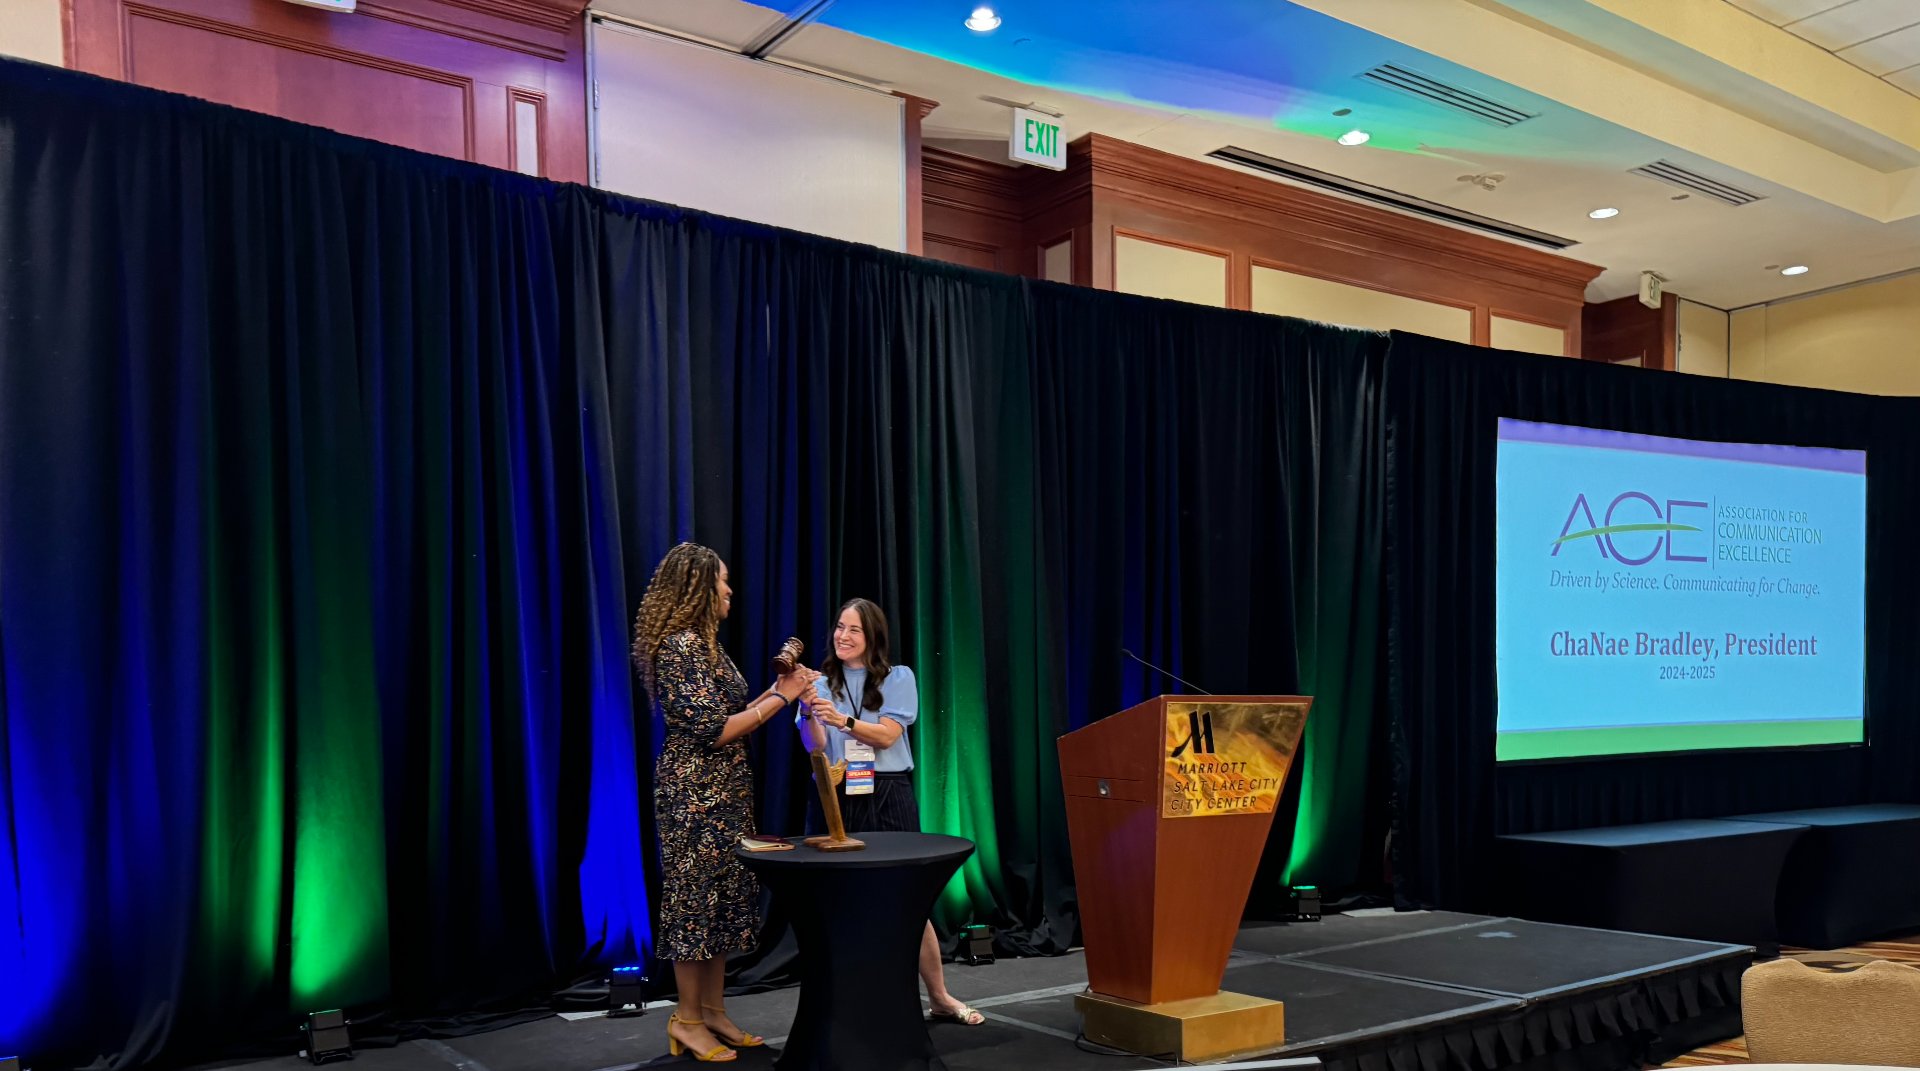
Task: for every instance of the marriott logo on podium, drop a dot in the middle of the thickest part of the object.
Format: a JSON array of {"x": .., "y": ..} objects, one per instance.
[{"x": 1199, "y": 735}]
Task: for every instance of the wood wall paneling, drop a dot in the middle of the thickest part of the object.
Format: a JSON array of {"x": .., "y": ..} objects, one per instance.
[
  {"x": 1056, "y": 205},
  {"x": 305, "y": 81},
  {"x": 982, "y": 255},
  {"x": 974, "y": 213},
  {"x": 441, "y": 76},
  {"x": 914, "y": 117},
  {"x": 1111, "y": 187},
  {"x": 1624, "y": 330},
  {"x": 1310, "y": 233}
]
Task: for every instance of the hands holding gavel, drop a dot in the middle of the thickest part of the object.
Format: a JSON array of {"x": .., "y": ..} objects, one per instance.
[
  {"x": 797, "y": 685},
  {"x": 820, "y": 707},
  {"x": 795, "y": 681}
]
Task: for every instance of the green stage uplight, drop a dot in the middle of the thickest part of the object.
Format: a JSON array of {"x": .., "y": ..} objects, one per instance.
[{"x": 1304, "y": 902}]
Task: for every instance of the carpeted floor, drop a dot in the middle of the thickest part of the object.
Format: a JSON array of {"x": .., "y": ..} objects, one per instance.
[{"x": 1734, "y": 1050}]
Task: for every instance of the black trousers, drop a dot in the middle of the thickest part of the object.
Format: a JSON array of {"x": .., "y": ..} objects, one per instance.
[{"x": 890, "y": 808}]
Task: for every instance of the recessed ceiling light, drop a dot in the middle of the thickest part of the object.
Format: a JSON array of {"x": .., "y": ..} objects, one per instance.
[
  {"x": 1794, "y": 269},
  {"x": 982, "y": 19},
  {"x": 1355, "y": 137},
  {"x": 1603, "y": 213}
]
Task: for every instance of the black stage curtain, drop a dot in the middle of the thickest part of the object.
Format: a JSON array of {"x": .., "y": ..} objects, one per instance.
[
  {"x": 1209, "y": 495},
  {"x": 1443, "y": 401},
  {"x": 331, "y": 475}
]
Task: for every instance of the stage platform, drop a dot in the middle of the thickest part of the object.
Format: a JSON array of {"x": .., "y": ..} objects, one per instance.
[{"x": 1363, "y": 991}]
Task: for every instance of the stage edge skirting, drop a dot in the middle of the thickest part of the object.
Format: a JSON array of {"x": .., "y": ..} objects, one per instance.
[{"x": 1641, "y": 1021}]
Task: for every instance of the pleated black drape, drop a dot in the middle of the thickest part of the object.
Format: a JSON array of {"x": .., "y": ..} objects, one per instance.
[
  {"x": 330, "y": 477},
  {"x": 1443, "y": 403},
  {"x": 1208, "y": 488}
]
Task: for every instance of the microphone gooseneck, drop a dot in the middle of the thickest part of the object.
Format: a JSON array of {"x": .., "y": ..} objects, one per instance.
[{"x": 1163, "y": 672}]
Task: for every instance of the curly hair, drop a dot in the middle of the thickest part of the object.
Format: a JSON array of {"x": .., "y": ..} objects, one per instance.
[{"x": 683, "y": 595}]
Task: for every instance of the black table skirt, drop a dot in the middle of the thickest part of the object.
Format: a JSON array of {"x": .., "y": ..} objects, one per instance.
[{"x": 857, "y": 918}]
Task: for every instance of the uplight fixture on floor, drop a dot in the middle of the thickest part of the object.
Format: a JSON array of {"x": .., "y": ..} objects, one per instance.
[
  {"x": 1305, "y": 902},
  {"x": 328, "y": 1037},
  {"x": 976, "y": 945},
  {"x": 626, "y": 992}
]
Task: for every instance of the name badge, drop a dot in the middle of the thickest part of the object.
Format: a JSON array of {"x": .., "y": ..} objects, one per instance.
[{"x": 859, "y": 768}]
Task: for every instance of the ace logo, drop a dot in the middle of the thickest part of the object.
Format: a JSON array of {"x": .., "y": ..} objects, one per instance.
[{"x": 1630, "y": 518}]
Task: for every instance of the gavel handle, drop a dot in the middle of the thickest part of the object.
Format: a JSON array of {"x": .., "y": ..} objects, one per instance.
[
  {"x": 836, "y": 839},
  {"x": 829, "y": 799}
]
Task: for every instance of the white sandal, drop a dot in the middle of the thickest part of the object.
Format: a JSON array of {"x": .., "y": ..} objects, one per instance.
[{"x": 963, "y": 1015}]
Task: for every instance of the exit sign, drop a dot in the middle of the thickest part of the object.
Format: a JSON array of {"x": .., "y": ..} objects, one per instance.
[{"x": 1037, "y": 140}]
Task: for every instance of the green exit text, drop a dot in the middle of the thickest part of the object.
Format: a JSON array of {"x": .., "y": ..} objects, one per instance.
[{"x": 1042, "y": 139}]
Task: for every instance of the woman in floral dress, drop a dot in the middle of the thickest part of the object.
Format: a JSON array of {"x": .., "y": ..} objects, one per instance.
[{"x": 703, "y": 789}]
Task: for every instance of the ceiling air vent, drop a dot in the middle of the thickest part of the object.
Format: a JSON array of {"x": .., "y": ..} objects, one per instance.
[
  {"x": 1432, "y": 90},
  {"x": 1380, "y": 195},
  {"x": 1674, "y": 175}
]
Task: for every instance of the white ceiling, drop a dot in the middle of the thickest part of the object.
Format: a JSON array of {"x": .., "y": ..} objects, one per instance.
[
  {"x": 1219, "y": 86},
  {"x": 1881, "y": 37}
]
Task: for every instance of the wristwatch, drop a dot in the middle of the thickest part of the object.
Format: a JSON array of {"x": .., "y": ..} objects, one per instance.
[{"x": 848, "y": 727}]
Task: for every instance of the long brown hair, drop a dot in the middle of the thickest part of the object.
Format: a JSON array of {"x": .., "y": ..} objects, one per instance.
[
  {"x": 879, "y": 662},
  {"x": 683, "y": 594}
]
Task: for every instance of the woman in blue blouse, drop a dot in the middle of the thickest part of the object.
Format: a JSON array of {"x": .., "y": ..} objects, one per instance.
[{"x": 859, "y": 711}]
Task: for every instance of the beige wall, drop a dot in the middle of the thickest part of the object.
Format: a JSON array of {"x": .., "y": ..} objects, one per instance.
[
  {"x": 1287, "y": 294},
  {"x": 706, "y": 129},
  {"x": 1746, "y": 342},
  {"x": 1863, "y": 338},
  {"x": 30, "y": 29},
  {"x": 1167, "y": 271},
  {"x": 1506, "y": 333},
  {"x": 1702, "y": 346}
]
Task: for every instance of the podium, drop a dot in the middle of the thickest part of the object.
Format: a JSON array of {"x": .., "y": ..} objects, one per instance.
[{"x": 1168, "y": 808}]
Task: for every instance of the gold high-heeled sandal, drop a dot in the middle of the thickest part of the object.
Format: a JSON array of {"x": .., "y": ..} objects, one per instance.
[
  {"x": 744, "y": 1041},
  {"x": 719, "y": 1054}
]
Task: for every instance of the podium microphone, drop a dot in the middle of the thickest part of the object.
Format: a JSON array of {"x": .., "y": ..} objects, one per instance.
[{"x": 1163, "y": 672}]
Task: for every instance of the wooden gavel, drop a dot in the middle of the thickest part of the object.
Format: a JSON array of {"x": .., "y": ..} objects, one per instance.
[{"x": 824, "y": 780}]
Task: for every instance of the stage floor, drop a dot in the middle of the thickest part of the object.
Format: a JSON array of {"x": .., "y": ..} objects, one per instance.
[{"x": 1358, "y": 987}]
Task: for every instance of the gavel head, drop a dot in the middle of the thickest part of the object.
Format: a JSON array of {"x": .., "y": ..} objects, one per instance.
[{"x": 789, "y": 655}]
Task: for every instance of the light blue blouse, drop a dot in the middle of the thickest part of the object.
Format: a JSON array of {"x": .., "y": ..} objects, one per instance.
[{"x": 899, "y": 700}]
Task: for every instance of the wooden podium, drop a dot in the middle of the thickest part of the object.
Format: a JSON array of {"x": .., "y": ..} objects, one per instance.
[{"x": 1168, "y": 808}]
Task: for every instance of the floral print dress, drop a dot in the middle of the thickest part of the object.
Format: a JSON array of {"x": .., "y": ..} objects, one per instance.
[{"x": 703, "y": 805}]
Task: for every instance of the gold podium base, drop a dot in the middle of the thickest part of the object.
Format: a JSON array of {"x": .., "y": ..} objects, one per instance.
[{"x": 1202, "y": 1028}]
